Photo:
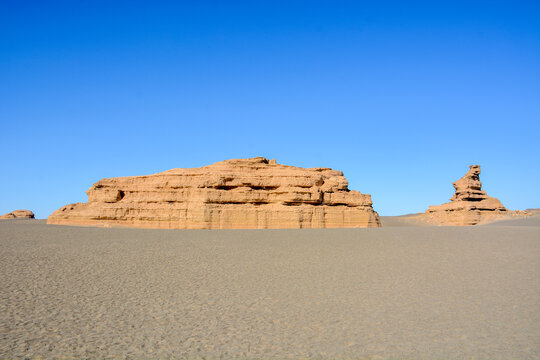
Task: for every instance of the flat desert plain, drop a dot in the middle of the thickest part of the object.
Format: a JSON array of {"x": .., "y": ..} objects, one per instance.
[{"x": 398, "y": 292}]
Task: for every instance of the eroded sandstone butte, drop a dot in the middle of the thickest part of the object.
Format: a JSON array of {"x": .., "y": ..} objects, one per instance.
[
  {"x": 18, "y": 214},
  {"x": 233, "y": 194},
  {"x": 470, "y": 205}
]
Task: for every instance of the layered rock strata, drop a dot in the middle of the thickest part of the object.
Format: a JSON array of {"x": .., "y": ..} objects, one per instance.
[
  {"x": 18, "y": 214},
  {"x": 470, "y": 205},
  {"x": 233, "y": 194}
]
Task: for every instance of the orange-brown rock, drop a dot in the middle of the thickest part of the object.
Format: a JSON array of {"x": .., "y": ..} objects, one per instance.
[
  {"x": 18, "y": 214},
  {"x": 470, "y": 205},
  {"x": 233, "y": 194}
]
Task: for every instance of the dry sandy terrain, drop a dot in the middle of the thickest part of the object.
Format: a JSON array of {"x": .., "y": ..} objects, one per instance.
[{"x": 397, "y": 292}]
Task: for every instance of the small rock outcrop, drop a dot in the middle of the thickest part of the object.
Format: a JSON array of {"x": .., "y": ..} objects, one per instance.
[
  {"x": 18, "y": 214},
  {"x": 470, "y": 205},
  {"x": 252, "y": 193}
]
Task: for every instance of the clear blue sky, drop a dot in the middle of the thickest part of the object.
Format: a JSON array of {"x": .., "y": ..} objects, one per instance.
[{"x": 400, "y": 95}]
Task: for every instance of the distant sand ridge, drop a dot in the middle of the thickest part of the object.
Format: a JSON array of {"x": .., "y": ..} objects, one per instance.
[
  {"x": 18, "y": 214},
  {"x": 252, "y": 193},
  {"x": 470, "y": 205}
]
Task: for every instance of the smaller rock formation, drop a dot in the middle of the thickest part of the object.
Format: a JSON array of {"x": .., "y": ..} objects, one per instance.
[
  {"x": 470, "y": 205},
  {"x": 18, "y": 214}
]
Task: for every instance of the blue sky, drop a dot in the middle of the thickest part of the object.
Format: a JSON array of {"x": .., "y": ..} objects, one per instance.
[{"x": 401, "y": 96}]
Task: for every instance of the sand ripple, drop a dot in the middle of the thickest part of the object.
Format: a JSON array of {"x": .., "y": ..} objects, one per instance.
[{"x": 397, "y": 292}]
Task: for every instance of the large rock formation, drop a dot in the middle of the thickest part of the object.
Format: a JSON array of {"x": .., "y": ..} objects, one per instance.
[
  {"x": 233, "y": 194},
  {"x": 469, "y": 205},
  {"x": 18, "y": 214}
]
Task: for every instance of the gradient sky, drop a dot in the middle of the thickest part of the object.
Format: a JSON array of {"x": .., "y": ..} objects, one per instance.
[{"x": 402, "y": 96}]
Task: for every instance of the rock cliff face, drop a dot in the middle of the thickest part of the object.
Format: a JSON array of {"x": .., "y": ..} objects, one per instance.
[
  {"x": 18, "y": 214},
  {"x": 469, "y": 205},
  {"x": 233, "y": 194}
]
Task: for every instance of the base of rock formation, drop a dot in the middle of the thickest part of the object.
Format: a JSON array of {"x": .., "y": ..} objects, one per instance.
[
  {"x": 458, "y": 214},
  {"x": 252, "y": 193},
  {"x": 18, "y": 214}
]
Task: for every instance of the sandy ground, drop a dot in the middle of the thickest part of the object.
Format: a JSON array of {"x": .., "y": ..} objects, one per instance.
[{"x": 398, "y": 292}]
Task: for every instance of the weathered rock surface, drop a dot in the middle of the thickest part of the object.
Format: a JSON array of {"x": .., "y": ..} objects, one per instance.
[
  {"x": 470, "y": 205},
  {"x": 18, "y": 214},
  {"x": 233, "y": 194}
]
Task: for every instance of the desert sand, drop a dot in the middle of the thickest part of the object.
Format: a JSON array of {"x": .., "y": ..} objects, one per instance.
[{"x": 400, "y": 291}]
